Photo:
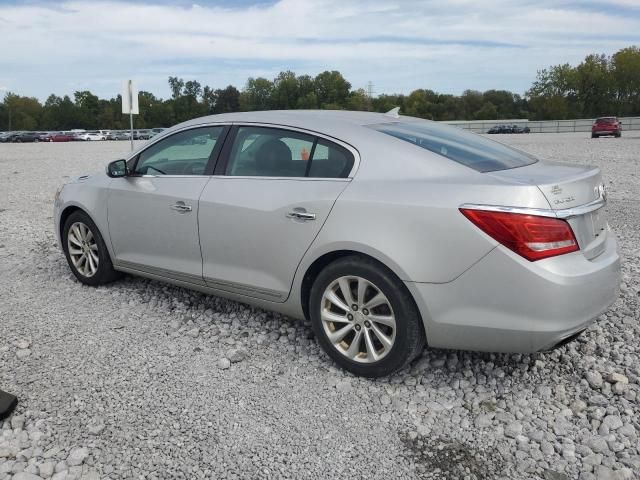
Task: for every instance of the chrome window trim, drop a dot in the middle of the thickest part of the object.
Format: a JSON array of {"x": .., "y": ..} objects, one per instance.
[
  {"x": 541, "y": 212},
  {"x": 246, "y": 177},
  {"x": 167, "y": 133},
  {"x": 342, "y": 143},
  {"x": 295, "y": 179}
]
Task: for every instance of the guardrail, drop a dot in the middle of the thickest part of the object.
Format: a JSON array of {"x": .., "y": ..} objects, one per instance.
[{"x": 544, "y": 126}]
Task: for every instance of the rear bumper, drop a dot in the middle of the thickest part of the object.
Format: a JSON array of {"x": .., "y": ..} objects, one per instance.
[{"x": 507, "y": 304}]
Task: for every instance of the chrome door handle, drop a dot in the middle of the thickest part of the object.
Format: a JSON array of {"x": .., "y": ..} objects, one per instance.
[
  {"x": 180, "y": 207},
  {"x": 301, "y": 215}
]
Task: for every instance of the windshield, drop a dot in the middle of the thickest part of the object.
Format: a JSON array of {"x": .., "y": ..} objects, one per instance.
[{"x": 469, "y": 149}]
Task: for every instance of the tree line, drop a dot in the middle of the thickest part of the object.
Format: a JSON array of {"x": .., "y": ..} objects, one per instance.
[{"x": 599, "y": 85}]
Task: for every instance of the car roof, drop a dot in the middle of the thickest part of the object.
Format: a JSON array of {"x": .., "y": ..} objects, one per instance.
[{"x": 337, "y": 123}]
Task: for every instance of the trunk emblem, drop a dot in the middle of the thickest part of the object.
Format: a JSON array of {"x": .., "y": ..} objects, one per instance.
[{"x": 556, "y": 190}]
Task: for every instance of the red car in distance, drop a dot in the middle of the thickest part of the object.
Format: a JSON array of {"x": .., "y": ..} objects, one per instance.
[
  {"x": 606, "y": 126},
  {"x": 59, "y": 137}
]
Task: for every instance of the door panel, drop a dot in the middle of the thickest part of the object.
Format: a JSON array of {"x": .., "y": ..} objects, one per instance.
[
  {"x": 254, "y": 231},
  {"x": 152, "y": 227},
  {"x": 153, "y": 214}
]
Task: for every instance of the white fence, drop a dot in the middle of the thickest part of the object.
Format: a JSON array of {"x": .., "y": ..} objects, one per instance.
[{"x": 544, "y": 126}]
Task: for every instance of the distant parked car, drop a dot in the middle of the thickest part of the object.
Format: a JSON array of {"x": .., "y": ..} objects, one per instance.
[
  {"x": 43, "y": 136},
  {"x": 91, "y": 136},
  {"x": 7, "y": 137},
  {"x": 606, "y": 126},
  {"x": 142, "y": 134},
  {"x": 60, "y": 137},
  {"x": 112, "y": 135},
  {"x": 500, "y": 129},
  {"x": 124, "y": 135},
  {"x": 26, "y": 137},
  {"x": 508, "y": 129}
]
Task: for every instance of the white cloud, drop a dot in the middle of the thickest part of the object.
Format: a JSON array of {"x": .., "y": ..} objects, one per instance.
[{"x": 446, "y": 46}]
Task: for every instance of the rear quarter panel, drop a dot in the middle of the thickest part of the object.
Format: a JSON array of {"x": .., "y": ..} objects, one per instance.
[{"x": 402, "y": 209}]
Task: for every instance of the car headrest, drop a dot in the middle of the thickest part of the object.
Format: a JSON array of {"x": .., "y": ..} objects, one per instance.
[{"x": 273, "y": 156}]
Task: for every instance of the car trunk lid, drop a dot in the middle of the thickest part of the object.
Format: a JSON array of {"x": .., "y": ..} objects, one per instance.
[{"x": 574, "y": 192}]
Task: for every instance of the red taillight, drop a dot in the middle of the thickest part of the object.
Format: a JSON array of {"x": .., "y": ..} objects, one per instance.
[{"x": 531, "y": 236}]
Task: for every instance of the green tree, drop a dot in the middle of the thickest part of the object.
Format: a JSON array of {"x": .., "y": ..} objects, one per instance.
[
  {"x": 21, "y": 113},
  {"x": 227, "y": 100},
  {"x": 256, "y": 95},
  {"x": 285, "y": 91},
  {"x": 332, "y": 89},
  {"x": 625, "y": 70},
  {"x": 176, "y": 85}
]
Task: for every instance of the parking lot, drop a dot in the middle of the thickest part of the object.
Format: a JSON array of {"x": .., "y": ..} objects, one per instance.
[{"x": 125, "y": 381}]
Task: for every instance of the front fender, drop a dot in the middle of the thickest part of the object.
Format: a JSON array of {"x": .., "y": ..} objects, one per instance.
[{"x": 91, "y": 198}]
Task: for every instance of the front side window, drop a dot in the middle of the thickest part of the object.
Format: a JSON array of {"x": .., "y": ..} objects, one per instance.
[
  {"x": 272, "y": 152},
  {"x": 469, "y": 149},
  {"x": 184, "y": 153}
]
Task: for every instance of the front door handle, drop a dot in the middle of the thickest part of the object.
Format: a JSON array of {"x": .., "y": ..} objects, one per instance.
[
  {"x": 301, "y": 214},
  {"x": 181, "y": 207}
]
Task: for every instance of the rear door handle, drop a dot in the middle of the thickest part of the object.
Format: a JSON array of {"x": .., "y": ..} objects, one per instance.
[
  {"x": 181, "y": 207},
  {"x": 301, "y": 214}
]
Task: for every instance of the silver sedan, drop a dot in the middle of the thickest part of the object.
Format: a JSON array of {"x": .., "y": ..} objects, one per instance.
[{"x": 388, "y": 232}]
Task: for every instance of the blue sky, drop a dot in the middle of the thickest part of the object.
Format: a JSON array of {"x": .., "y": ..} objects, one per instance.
[{"x": 60, "y": 47}]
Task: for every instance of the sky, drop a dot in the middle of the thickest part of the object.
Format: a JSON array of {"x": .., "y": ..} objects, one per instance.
[{"x": 398, "y": 45}]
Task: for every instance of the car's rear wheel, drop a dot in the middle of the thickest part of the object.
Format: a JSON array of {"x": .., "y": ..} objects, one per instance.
[
  {"x": 86, "y": 251},
  {"x": 593, "y": 135},
  {"x": 364, "y": 317}
]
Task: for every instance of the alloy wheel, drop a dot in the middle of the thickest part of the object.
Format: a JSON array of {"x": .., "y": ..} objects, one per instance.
[
  {"x": 358, "y": 319},
  {"x": 83, "y": 249}
]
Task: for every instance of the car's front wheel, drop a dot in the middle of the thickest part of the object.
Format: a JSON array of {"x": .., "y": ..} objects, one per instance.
[
  {"x": 364, "y": 317},
  {"x": 86, "y": 251}
]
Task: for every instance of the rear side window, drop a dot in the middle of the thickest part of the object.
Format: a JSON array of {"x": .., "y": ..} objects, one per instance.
[
  {"x": 272, "y": 152},
  {"x": 469, "y": 149}
]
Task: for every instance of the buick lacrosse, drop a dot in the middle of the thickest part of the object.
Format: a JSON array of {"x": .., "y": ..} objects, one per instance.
[{"x": 387, "y": 232}]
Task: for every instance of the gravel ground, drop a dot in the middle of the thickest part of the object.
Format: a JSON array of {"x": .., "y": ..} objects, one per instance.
[{"x": 143, "y": 380}]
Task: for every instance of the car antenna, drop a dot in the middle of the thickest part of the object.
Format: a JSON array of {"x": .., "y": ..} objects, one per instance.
[{"x": 394, "y": 112}]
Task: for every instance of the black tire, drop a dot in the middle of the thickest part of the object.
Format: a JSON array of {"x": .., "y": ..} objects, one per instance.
[
  {"x": 409, "y": 336},
  {"x": 105, "y": 272},
  {"x": 593, "y": 135},
  {"x": 618, "y": 134}
]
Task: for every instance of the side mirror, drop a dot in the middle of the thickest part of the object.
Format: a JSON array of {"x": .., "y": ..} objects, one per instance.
[{"x": 117, "y": 169}]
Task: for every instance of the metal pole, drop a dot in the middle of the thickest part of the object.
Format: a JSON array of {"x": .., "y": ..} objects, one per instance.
[
  {"x": 131, "y": 115},
  {"x": 131, "y": 129}
]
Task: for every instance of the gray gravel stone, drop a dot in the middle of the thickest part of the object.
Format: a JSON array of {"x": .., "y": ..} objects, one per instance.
[
  {"x": 236, "y": 355},
  {"x": 594, "y": 379},
  {"x": 617, "y": 377},
  {"x": 26, "y": 476},
  {"x": 77, "y": 456}
]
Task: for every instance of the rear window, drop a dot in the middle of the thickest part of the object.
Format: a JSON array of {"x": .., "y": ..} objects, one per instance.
[
  {"x": 469, "y": 149},
  {"x": 606, "y": 120}
]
